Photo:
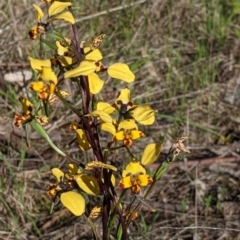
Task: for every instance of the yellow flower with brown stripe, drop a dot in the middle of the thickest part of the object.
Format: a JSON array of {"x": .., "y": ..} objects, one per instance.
[{"x": 134, "y": 176}]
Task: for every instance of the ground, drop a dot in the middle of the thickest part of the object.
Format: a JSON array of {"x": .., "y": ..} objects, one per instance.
[{"x": 186, "y": 58}]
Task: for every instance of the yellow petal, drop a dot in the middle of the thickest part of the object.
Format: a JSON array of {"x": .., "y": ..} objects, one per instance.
[
  {"x": 119, "y": 136},
  {"x": 102, "y": 115},
  {"x": 57, "y": 7},
  {"x": 125, "y": 182},
  {"x": 113, "y": 179},
  {"x": 95, "y": 83},
  {"x": 27, "y": 106},
  {"x": 127, "y": 124},
  {"x": 144, "y": 114},
  {"x": 88, "y": 184},
  {"x": 57, "y": 173},
  {"x": 74, "y": 126},
  {"x": 37, "y": 86},
  {"x": 73, "y": 168},
  {"x": 82, "y": 140},
  {"x": 133, "y": 168},
  {"x": 61, "y": 49},
  {"x": 40, "y": 13},
  {"x": 94, "y": 55},
  {"x": 124, "y": 96},
  {"x": 74, "y": 202},
  {"x": 105, "y": 107},
  {"x": 66, "y": 16},
  {"x": 150, "y": 153},
  {"x": 108, "y": 127},
  {"x": 144, "y": 180},
  {"x": 32, "y": 34},
  {"x": 135, "y": 134},
  {"x": 121, "y": 71},
  {"x": 84, "y": 69},
  {"x": 37, "y": 64},
  {"x": 48, "y": 75},
  {"x": 64, "y": 60}
]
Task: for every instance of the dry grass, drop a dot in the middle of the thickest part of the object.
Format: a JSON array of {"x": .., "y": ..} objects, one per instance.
[{"x": 185, "y": 55}]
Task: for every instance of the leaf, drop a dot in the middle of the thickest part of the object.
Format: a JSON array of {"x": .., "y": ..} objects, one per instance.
[
  {"x": 66, "y": 16},
  {"x": 121, "y": 71},
  {"x": 84, "y": 69},
  {"x": 44, "y": 134},
  {"x": 57, "y": 7},
  {"x": 74, "y": 202},
  {"x": 151, "y": 153},
  {"x": 48, "y": 43},
  {"x": 56, "y": 35}
]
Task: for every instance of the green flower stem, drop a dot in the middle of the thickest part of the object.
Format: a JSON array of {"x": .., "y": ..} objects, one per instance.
[
  {"x": 94, "y": 229},
  {"x": 59, "y": 95},
  {"x": 37, "y": 126},
  {"x": 129, "y": 152},
  {"x": 119, "y": 232},
  {"x": 159, "y": 172},
  {"x": 114, "y": 214}
]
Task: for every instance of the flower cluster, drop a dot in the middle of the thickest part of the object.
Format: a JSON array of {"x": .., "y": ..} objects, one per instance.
[{"x": 121, "y": 119}]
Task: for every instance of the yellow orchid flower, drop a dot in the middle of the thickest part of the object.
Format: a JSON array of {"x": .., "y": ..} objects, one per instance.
[
  {"x": 72, "y": 200},
  {"x": 87, "y": 183},
  {"x": 27, "y": 108},
  {"x": 92, "y": 52},
  {"x": 127, "y": 131},
  {"x": 134, "y": 176},
  {"x": 47, "y": 79},
  {"x": 92, "y": 65},
  {"x": 87, "y": 68},
  {"x": 55, "y": 12},
  {"x": 142, "y": 114},
  {"x": 27, "y": 115},
  {"x": 64, "y": 55}
]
